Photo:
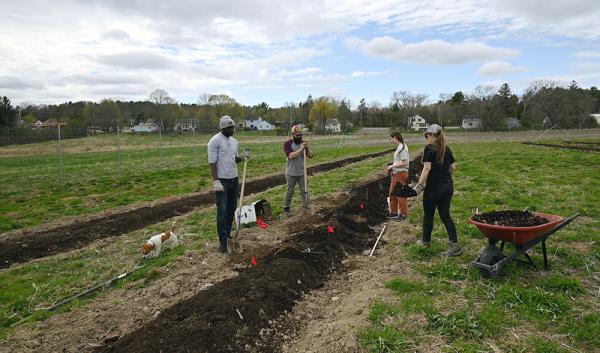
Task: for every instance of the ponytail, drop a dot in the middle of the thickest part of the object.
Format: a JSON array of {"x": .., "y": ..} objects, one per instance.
[
  {"x": 398, "y": 137},
  {"x": 440, "y": 143}
]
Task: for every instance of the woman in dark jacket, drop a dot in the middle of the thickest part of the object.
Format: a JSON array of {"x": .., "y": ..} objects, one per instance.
[{"x": 436, "y": 182}]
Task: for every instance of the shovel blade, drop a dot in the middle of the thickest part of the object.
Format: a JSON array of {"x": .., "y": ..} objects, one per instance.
[
  {"x": 306, "y": 200},
  {"x": 234, "y": 246}
]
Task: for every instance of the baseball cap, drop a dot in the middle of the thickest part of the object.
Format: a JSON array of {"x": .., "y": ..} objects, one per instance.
[
  {"x": 296, "y": 129},
  {"x": 225, "y": 121},
  {"x": 434, "y": 129}
]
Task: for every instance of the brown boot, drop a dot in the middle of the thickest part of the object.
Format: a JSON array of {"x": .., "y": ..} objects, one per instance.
[{"x": 454, "y": 249}]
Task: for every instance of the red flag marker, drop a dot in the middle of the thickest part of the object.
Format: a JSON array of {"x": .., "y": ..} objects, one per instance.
[
  {"x": 253, "y": 261},
  {"x": 330, "y": 229}
]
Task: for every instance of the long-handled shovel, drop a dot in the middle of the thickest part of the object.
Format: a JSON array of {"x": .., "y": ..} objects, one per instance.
[
  {"x": 305, "y": 195},
  {"x": 234, "y": 244}
]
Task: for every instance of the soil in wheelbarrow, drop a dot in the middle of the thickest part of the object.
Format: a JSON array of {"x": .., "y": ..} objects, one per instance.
[
  {"x": 510, "y": 218},
  {"x": 238, "y": 314}
]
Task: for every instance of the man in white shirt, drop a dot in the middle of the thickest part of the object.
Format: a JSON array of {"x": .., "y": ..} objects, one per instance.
[{"x": 223, "y": 158}]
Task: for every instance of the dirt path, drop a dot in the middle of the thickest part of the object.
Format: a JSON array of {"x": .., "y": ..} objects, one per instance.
[
  {"x": 327, "y": 320},
  {"x": 25, "y": 245}
]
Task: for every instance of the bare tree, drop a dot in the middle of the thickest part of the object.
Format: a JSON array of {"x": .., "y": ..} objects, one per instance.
[
  {"x": 203, "y": 98},
  {"x": 481, "y": 105},
  {"x": 547, "y": 100},
  {"x": 409, "y": 104},
  {"x": 160, "y": 96}
]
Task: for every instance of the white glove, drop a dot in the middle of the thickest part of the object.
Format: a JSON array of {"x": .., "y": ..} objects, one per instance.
[
  {"x": 246, "y": 155},
  {"x": 419, "y": 188},
  {"x": 217, "y": 186}
]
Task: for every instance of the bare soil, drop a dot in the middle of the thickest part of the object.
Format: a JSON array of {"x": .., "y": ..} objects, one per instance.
[
  {"x": 231, "y": 315},
  {"x": 572, "y": 145},
  {"x": 25, "y": 245},
  {"x": 510, "y": 218}
]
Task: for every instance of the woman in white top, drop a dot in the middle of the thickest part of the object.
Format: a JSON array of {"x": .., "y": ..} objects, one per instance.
[{"x": 398, "y": 170}]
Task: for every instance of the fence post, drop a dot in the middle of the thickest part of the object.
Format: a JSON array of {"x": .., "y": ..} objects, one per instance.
[
  {"x": 118, "y": 151},
  {"x": 160, "y": 145},
  {"x": 194, "y": 147},
  {"x": 60, "y": 161}
]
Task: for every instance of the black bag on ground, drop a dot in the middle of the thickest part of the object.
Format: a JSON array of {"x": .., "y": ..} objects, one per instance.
[{"x": 402, "y": 190}]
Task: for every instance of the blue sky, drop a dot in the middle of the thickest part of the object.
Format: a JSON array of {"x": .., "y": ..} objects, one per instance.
[{"x": 279, "y": 52}]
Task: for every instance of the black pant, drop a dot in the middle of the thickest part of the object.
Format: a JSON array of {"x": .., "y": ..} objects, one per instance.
[{"x": 438, "y": 196}]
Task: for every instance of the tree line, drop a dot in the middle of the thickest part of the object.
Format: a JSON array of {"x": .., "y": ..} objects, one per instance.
[{"x": 542, "y": 103}]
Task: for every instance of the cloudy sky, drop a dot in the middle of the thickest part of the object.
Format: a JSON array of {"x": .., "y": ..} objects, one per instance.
[{"x": 281, "y": 51}]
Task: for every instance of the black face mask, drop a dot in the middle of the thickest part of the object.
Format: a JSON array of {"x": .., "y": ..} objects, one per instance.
[
  {"x": 297, "y": 140},
  {"x": 228, "y": 131}
]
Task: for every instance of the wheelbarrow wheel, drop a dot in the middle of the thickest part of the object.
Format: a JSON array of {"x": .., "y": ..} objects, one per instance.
[{"x": 490, "y": 256}]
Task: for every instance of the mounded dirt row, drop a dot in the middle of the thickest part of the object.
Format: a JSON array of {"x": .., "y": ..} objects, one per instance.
[
  {"x": 23, "y": 246},
  {"x": 236, "y": 314},
  {"x": 580, "y": 146}
]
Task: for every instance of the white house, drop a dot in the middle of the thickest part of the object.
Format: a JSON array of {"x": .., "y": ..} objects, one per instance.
[
  {"x": 418, "y": 123},
  {"x": 258, "y": 124},
  {"x": 512, "y": 123},
  {"x": 333, "y": 126},
  {"x": 596, "y": 117},
  {"x": 472, "y": 123},
  {"x": 145, "y": 127}
]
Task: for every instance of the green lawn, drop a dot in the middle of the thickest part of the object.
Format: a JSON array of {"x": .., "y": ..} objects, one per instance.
[
  {"x": 524, "y": 310},
  {"x": 96, "y": 181}
]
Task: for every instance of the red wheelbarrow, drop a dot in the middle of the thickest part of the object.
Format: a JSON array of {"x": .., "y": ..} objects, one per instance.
[{"x": 492, "y": 260}]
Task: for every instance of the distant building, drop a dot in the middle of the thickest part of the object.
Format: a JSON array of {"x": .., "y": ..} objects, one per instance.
[
  {"x": 145, "y": 127},
  {"x": 333, "y": 126},
  {"x": 472, "y": 123},
  {"x": 418, "y": 123},
  {"x": 596, "y": 117},
  {"x": 512, "y": 123},
  {"x": 48, "y": 123},
  {"x": 187, "y": 125},
  {"x": 256, "y": 124}
]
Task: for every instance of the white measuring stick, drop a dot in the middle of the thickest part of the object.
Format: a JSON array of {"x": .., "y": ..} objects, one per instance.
[
  {"x": 240, "y": 314},
  {"x": 377, "y": 242}
]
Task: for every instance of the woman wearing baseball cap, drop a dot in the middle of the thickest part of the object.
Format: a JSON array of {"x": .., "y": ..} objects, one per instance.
[{"x": 436, "y": 182}]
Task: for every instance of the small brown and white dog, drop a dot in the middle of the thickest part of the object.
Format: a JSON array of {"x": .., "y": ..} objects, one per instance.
[{"x": 153, "y": 246}]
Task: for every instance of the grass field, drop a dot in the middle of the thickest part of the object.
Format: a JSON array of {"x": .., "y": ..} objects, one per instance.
[
  {"x": 444, "y": 299},
  {"x": 525, "y": 310},
  {"x": 96, "y": 181}
]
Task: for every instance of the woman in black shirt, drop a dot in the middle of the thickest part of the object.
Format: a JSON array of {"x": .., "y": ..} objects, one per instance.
[{"x": 436, "y": 180}]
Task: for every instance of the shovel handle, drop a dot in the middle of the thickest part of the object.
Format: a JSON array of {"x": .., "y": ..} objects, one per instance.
[
  {"x": 243, "y": 184},
  {"x": 305, "y": 178}
]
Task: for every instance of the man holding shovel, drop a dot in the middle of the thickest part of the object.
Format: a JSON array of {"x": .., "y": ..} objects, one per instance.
[
  {"x": 296, "y": 149},
  {"x": 223, "y": 158}
]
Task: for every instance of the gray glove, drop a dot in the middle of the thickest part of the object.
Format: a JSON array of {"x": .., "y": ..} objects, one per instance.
[
  {"x": 419, "y": 188},
  {"x": 246, "y": 155},
  {"x": 217, "y": 186}
]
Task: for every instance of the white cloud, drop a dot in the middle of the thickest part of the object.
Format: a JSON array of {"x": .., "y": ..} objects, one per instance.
[
  {"x": 79, "y": 49},
  {"x": 497, "y": 68},
  {"x": 429, "y": 51},
  {"x": 356, "y": 74},
  {"x": 138, "y": 60},
  {"x": 588, "y": 54},
  {"x": 13, "y": 82}
]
